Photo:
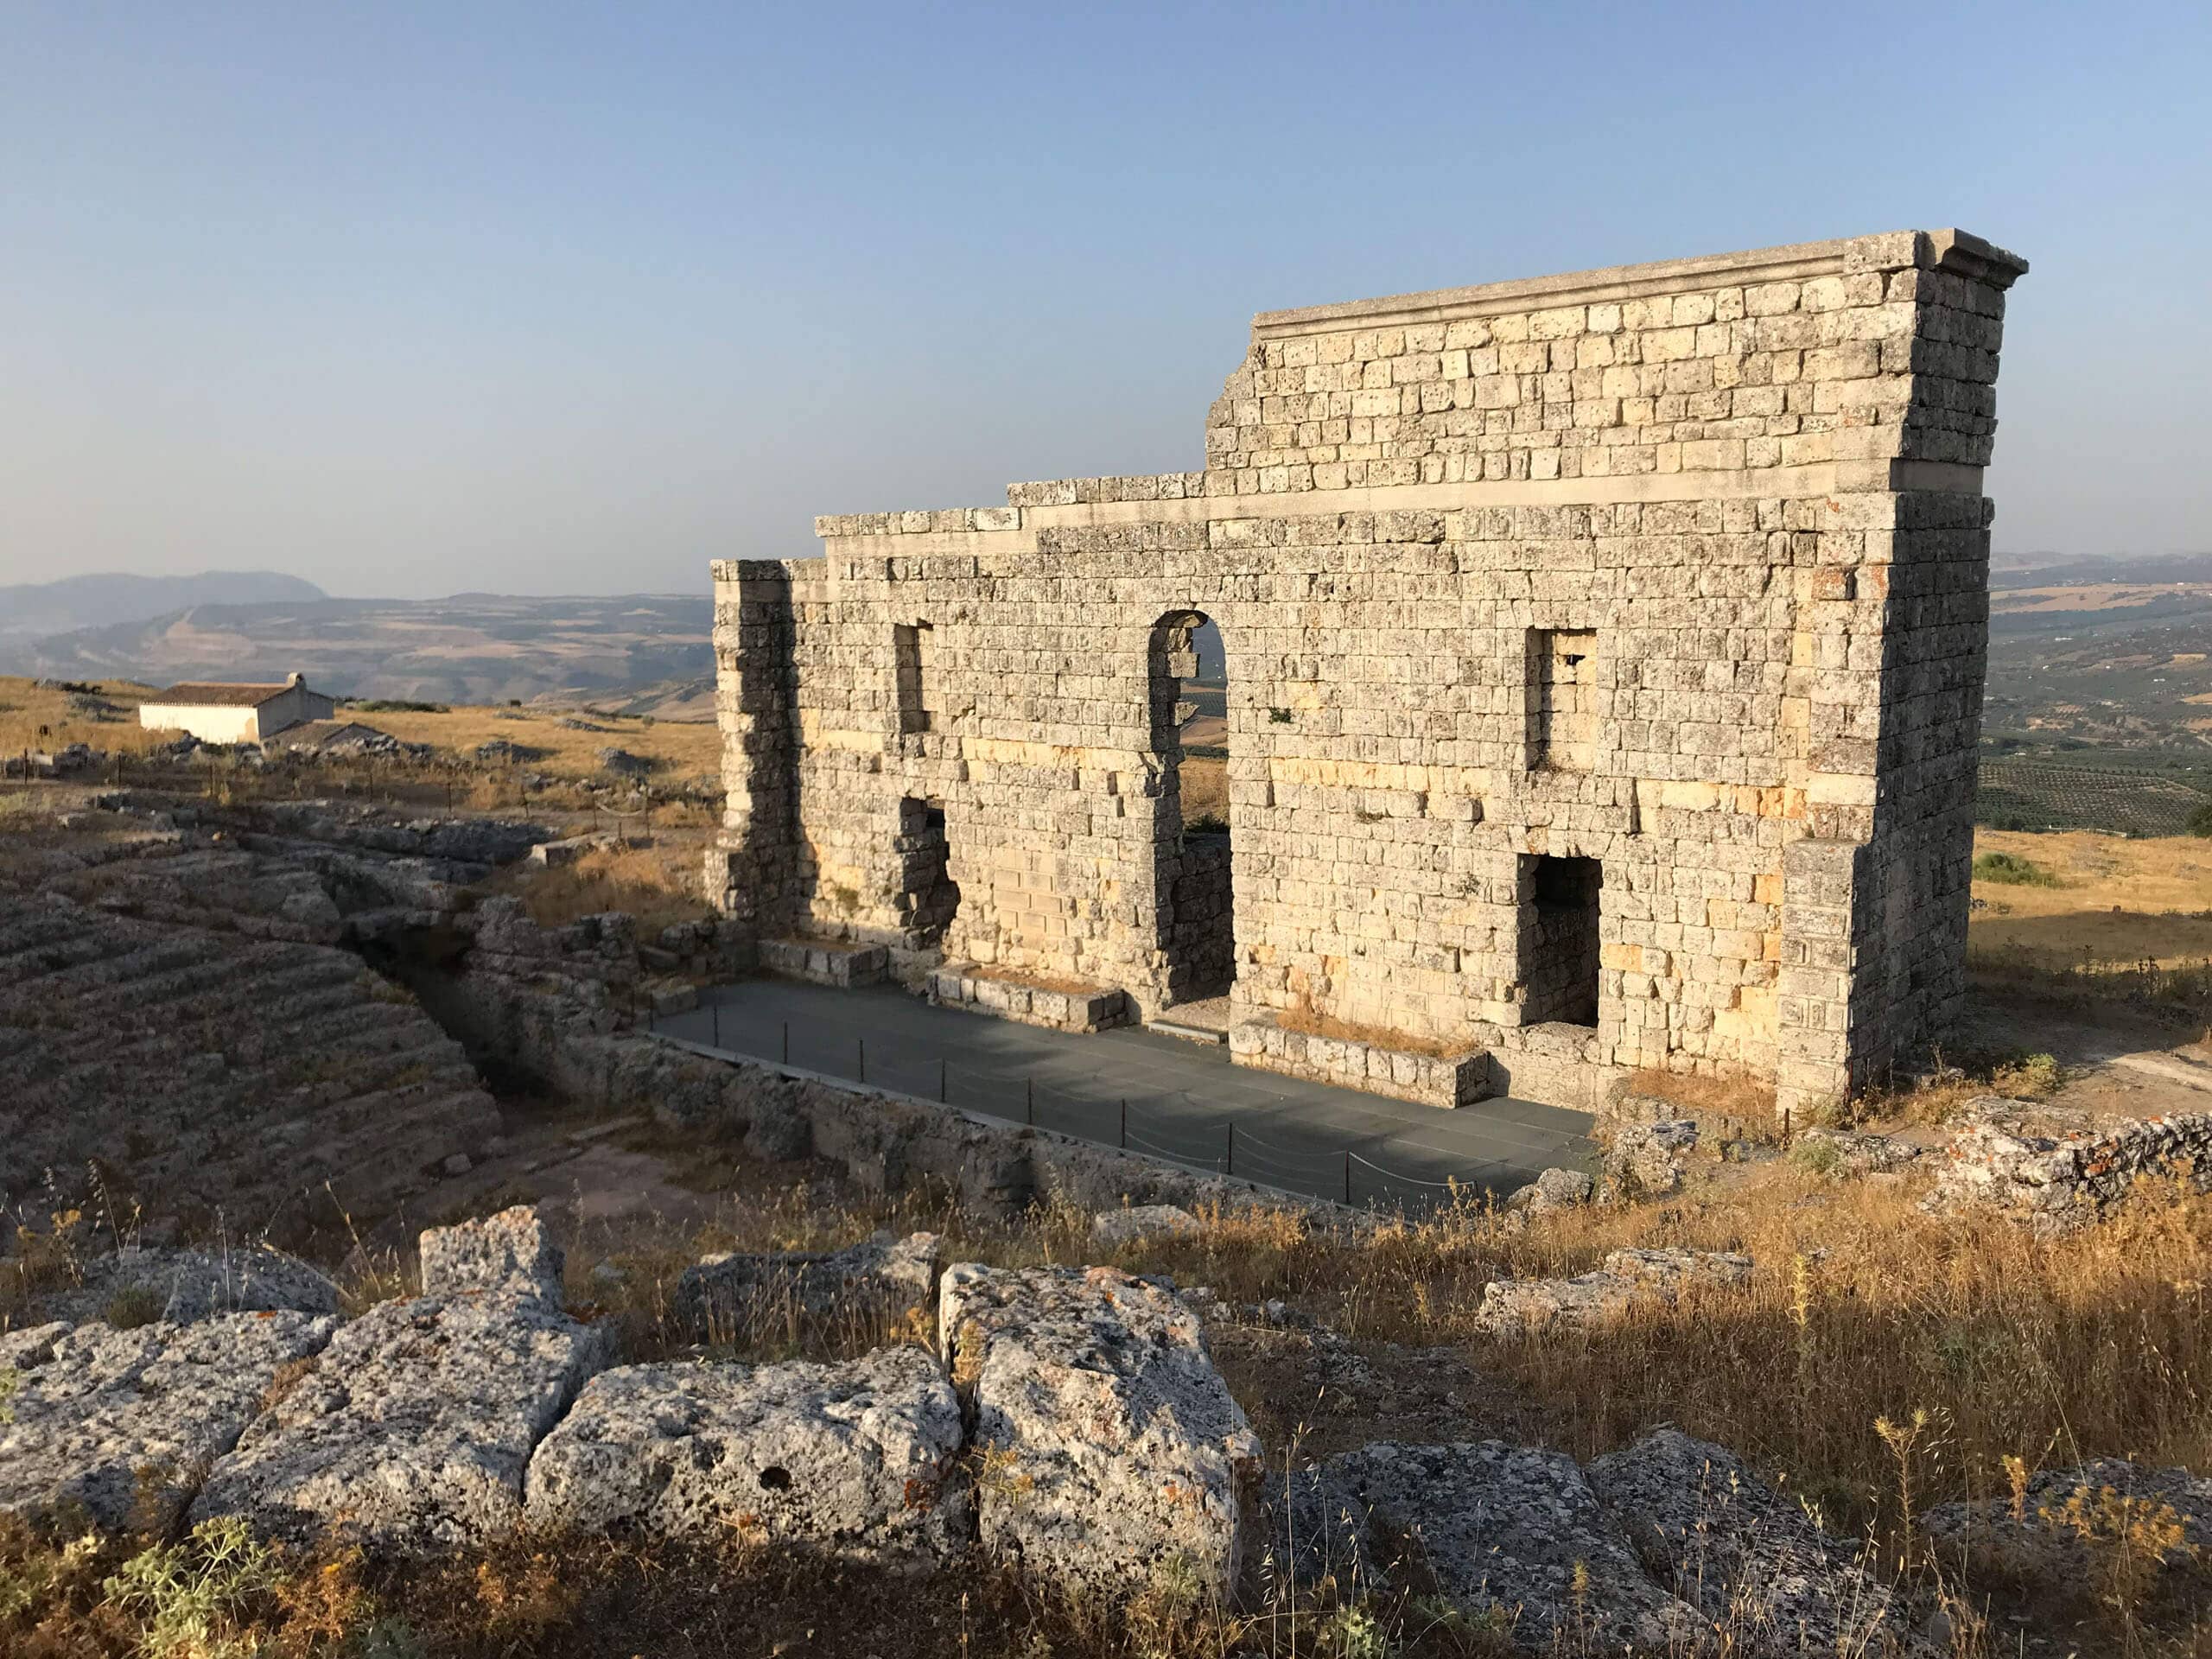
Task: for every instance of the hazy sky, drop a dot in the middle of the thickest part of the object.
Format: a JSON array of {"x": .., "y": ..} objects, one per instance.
[{"x": 411, "y": 299}]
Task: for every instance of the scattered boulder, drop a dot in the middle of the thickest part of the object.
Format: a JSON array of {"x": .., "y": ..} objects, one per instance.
[
  {"x": 178, "y": 1287},
  {"x": 118, "y": 1424},
  {"x": 1511, "y": 1535},
  {"x": 733, "y": 1294},
  {"x": 1518, "y": 1307},
  {"x": 1111, "y": 1448},
  {"x": 1645, "y": 1159},
  {"x": 1851, "y": 1151},
  {"x": 510, "y": 1252},
  {"x": 624, "y": 764},
  {"x": 856, "y": 1459},
  {"x": 1136, "y": 1222},
  {"x": 1554, "y": 1189},
  {"x": 2045, "y": 1540},
  {"x": 1747, "y": 1558}
]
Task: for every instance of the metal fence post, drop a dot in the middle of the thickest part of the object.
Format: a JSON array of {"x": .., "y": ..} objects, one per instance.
[
  {"x": 1125, "y": 1123},
  {"x": 1029, "y": 1101},
  {"x": 859, "y": 1047},
  {"x": 1347, "y": 1175},
  {"x": 941, "y": 1089},
  {"x": 1231, "y": 1168},
  {"x": 787, "y": 1042},
  {"x": 717, "y": 1008}
]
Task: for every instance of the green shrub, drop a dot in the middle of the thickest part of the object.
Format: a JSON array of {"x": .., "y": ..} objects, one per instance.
[
  {"x": 134, "y": 1305},
  {"x": 2013, "y": 871},
  {"x": 2200, "y": 822}
]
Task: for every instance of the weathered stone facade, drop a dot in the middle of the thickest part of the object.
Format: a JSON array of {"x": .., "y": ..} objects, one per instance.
[{"x": 1605, "y": 659}]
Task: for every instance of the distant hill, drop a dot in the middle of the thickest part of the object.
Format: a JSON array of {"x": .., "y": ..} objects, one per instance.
[
  {"x": 31, "y": 611},
  {"x": 473, "y": 648}
]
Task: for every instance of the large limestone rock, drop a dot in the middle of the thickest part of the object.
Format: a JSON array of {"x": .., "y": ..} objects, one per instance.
[
  {"x": 1109, "y": 1445},
  {"x": 178, "y": 1287},
  {"x": 1748, "y": 1559},
  {"x": 733, "y": 1296},
  {"x": 1512, "y": 1536},
  {"x": 2045, "y": 1540},
  {"x": 510, "y": 1252},
  {"x": 414, "y": 1431},
  {"x": 855, "y": 1460},
  {"x": 1136, "y": 1224},
  {"x": 119, "y": 1423},
  {"x": 1520, "y": 1307}
]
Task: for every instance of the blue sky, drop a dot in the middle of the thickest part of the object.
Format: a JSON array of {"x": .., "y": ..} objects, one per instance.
[{"x": 411, "y": 299}]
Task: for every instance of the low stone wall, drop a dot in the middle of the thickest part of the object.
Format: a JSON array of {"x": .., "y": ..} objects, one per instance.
[
  {"x": 826, "y": 962},
  {"x": 1429, "y": 1079},
  {"x": 2059, "y": 1182},
  {"x": 965, "y": 985}
]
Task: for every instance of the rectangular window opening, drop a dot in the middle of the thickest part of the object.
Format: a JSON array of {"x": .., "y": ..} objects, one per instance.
[
  {"x": 1560, "y": 939},
  {"x": 907, "y": 647},
  {"x": 1562, "y": 698}
]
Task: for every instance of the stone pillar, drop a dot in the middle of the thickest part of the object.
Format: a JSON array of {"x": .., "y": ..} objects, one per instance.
[{"x": 751, "y": 868}]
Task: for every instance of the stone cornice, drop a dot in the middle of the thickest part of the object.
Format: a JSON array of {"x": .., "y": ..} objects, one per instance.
[{"x": 1948, "y": 249}]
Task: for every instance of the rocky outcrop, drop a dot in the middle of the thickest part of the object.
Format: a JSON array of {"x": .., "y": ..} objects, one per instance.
[
  {"x": 1551, "y": 1191},
  {"x": 857, "y": 1459},
  {"x": 115, "y": 1426},
  {"x": 1109, "y": 1449},
  {"x": 177, "y": 1287},
  {"x": 1748, "y": 1559},
  {"x": 1513, "y": 1537},
  {"x": 1644, "y": 1159},
  {"x": 2068, "y": 1518},
  {"x": 733, "y": 1297},
  {"x": 1520, "y": 1307},
  {"x": 2058, "y": 1182}
]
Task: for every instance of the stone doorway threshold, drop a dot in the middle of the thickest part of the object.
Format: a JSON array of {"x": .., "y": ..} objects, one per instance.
[{"x": 1204, "y": 1019}]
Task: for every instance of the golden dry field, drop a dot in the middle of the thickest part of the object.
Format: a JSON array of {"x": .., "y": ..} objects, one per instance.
[
  {"x": 683, "y": 748},
  {"x": 33, "y": 717},
  {"x": 2114, "y": 900}
]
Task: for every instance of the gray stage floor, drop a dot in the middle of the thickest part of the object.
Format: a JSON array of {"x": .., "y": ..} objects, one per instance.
[{"x": 1184, "y": 1100}]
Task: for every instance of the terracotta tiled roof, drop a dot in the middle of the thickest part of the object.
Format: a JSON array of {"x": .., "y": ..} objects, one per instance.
[{"x": 209, "y": 694}]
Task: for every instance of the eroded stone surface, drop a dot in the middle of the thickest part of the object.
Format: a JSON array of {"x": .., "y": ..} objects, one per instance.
[
  {"x": 414, "y": 1429},
  {"x": 1109, "y": 1445},
  {"x": 2058, "y": 1182},
  {"x": 2103, "y": 1497},
  {"x": 180, "y": 1286},
  {"x": 1746, "y": 1557},
  {"x": 1514, "y": 1307},
  {"x": 1141, "y": 1221},
  {"x": 510, "y": 1251},
  {"x": 1505, "y": 1531},
  {"x": 119, "y": 1423},
  {"x": 725, "y": 1298},
  {"x": 856, "y": 1459}
]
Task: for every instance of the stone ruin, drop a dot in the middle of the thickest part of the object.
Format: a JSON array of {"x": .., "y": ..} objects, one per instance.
[{"x": 1604, "y": 660}]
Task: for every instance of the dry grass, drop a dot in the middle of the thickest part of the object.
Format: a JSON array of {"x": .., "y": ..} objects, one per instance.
[
  {"x": 658, "y": 885},
  {"x": 1204, "y": 782},
  {"x": 35, "y": 718},
  {"x": 683, "y": 749},
  {"x": 2115, "y": 901},
  {"x": 1313, "y": 1024}
]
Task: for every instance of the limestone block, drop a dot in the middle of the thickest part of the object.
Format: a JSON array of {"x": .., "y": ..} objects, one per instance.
[
  {"x": 1746, "y": 1557},
  {"x": 102, "y": 1418},
  {"x": 2046, "y": 1542},
  {"x": 178, "y": 1287},
  {"x": 1512, "y": 1536},
  {"x": 510, "y": 1252},
  {"x": 413, "y": 1431},
  {"x": 1110, "y": 1447},
  {"x": 1140, "y": 1222},
  {"x": 1513, "y": 1308},
  {"x": 857, "y": 1459},
  {"x": 731, "y": 1295}
]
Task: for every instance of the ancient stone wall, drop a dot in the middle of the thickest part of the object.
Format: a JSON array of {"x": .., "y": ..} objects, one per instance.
[{"x": 1676, "y": 569}]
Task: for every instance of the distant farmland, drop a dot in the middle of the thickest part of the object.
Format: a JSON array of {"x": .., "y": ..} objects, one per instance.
[{"x": 2034, "y": 795}]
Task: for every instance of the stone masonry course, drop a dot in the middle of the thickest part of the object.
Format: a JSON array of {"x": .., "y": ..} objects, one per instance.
[{"x": 1604, "y": 660}]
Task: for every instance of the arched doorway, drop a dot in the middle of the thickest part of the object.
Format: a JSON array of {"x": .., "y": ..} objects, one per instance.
[{"x": 1191, "y": 854}]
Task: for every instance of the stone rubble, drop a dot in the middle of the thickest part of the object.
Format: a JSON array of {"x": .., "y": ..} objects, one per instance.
[
  {"x": 1513, "y": 1308},
  {"x": 733, "y": 1295},
  {"x": 2057, "y": 1183},
  {"x": 1742, "y": 1554},
  {"x": 1135, "y": 1223},
  {"x": 859, "y": 1458},
  {"x": 2103, "y": 1494},
  {"x": 120, "y": 1423},
  {"x": 1109, "y": 1447},
  {"x": 510, "y": 1252},
  {"x": 1505, "y": 1531},
  {"x": 1646, "y": 1160}
]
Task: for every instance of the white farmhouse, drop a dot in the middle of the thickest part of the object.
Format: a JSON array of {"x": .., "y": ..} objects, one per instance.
[{"x": 233, "y": 714}]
